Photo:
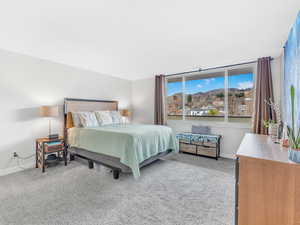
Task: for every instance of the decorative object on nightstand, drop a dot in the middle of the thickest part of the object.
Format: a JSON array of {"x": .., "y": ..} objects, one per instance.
[
  {"x": 49, "y": 111},
  {"x": 126, "y": 113},
  {"x": 50, "y": 152}
]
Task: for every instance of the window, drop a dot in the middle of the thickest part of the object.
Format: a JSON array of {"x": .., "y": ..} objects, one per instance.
[
  {"x": 204, "y": 96},
  {"x": 175, "y": 98},
  {"x": 240, "y": 95},
  {"x": 215, "y": 96}
]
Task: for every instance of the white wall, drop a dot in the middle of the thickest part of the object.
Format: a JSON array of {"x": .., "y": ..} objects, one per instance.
[
  {"x": 27, "y": 83},
  {"x": 143, "y": 105},
  {"x": 143, "y": 100}
]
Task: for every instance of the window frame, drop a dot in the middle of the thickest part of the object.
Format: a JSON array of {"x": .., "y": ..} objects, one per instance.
[{"x": 226, "y": 92}]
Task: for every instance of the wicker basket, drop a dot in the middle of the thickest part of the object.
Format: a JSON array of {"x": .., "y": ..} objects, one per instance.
[{"x": 187, "y": 148}]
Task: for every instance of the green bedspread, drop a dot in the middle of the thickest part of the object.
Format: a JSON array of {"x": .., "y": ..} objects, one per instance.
[{"x": 132, "y": 143}]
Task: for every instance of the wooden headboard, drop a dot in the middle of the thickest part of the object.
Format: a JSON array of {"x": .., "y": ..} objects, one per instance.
[
  {"x": 87, "y": 105},
  {"x": 84, "y": 105}
]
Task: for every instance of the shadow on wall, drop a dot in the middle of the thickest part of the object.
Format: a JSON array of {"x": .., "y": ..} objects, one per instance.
[
  {"x": 25, "y": 147},
  {"x": 32, "y": 113},
  {"x": 27, "y": 114}
]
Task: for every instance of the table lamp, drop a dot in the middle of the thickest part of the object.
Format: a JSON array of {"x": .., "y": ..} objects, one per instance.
[
  {"x": 126, "y": 113},
  {"x": 49, "y": 111}
]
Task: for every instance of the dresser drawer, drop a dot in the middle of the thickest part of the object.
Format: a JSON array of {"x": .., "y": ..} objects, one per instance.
[
  {"x": 266, "y": 192},
  {"x": 297, "y": 195},
  {"x": 236, "y": 191}
]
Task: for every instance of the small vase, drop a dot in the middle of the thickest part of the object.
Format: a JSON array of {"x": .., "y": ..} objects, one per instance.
[
  {"x": 294, "y": 155},
  {"x": 273, "y": 131}
]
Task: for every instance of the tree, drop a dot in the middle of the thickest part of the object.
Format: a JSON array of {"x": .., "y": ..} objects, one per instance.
[
  {"x": 239, "y": 95},
  {"x": 213, "y": 112},
  {"x": 189, "y": 98},
  {"x": 220, "y": 95},
  {"x": 189, "y": 101}
]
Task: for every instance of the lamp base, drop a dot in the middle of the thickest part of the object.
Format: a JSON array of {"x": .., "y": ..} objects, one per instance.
[{"x": 53, "y": 136}]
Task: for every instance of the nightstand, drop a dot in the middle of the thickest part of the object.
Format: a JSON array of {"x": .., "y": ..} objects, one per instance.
[{"x": 45, "y": 147}]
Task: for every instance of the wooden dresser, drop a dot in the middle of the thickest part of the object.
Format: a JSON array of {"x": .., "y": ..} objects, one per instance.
[{"x": 267, "y": 184}]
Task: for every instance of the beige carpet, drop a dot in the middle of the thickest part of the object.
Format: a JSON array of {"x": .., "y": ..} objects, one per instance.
[{"x": 181, "y": 190}]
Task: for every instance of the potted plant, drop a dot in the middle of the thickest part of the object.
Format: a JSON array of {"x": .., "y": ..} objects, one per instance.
[
  {"x": 272, "y": 127},
  {"x": 293, "y": 133}
]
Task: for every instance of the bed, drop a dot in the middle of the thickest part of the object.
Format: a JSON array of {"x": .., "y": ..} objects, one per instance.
[{"x": 122, "y": 147}]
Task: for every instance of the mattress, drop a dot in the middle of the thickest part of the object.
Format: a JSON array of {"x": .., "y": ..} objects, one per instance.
[{"x": 132, "y": 144}]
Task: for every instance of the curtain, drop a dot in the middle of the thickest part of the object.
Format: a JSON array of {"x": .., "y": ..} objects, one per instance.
[
  {"x": 263, "y": 92},
  {"x": 292, "y": 74},
  {"x": 159, "y": 103}
]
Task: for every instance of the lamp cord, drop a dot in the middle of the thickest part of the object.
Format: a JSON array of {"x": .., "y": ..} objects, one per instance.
[
  {"x": 19, "y": 158},
  {"x": 27, "y": 157},
  {"x": 19, "y": 165}
]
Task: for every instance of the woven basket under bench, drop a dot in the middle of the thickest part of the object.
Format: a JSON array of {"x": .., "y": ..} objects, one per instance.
[{"x": 207, "y": 145}]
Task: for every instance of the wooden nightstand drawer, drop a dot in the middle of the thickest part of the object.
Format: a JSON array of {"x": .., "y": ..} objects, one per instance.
[{"x": 54, "y": 148}]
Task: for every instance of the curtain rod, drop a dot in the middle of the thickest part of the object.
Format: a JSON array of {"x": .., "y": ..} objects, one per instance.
[{"x": 212, "y": 68}]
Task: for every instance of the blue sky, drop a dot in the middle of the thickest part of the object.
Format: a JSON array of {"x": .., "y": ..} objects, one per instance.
[{"x": 241, "y": 81}]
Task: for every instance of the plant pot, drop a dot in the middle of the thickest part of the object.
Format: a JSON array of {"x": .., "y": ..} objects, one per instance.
[{"x": 294, "y": 155}]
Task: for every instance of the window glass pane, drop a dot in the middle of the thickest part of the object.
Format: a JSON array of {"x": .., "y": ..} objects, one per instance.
[
  {"x": 174, "y": 98},
  {"x": 204, "y": 97},
  {"x": 240, "y": 96}
]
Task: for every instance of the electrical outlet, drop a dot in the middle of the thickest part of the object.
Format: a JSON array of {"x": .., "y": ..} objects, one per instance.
[{"x": 15, "y": 155}]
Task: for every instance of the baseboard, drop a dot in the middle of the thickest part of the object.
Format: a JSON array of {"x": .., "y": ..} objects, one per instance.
[
  {"x": 227, "y": 156},
  {"x": 16, "y": 169}
]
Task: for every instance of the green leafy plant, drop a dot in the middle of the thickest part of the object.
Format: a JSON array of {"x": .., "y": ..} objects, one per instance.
[
  {"x": 213, "y": 112},
  {"x": 189, "y": 98},
  {"x": 220, "y": 95},
  {"x": 268, "y": 123},
  {"x": 239, "y": 95},
  {"x": 293, "y": 135}
]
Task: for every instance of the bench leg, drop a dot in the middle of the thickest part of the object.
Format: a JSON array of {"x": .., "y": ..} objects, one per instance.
[
  {"x": 218, "y": 149},
  {"x": 72, "y": 157},
  {"x": 116, "y": 174},
  {"x": 91, "y": 164}
]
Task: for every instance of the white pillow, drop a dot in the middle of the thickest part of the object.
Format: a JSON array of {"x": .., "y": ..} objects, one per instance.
[
  {"x": 116, "y": 117},
  {"x": 88, "y": 119},
  {"x": 76, "y": 120},
  {"x": 104, "y": 117}
]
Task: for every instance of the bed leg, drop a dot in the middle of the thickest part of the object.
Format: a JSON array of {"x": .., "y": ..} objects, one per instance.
[
  {"x": 91, "y": 164},
  {"x": 72, "y": 157},
  {"x": 116, "y": 174}
]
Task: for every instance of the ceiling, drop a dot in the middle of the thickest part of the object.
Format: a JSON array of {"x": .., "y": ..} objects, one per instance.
[{"x": 135, "y": 39}]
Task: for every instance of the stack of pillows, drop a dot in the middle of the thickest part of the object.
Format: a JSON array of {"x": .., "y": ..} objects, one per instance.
[{"x": 96, "y": 119}]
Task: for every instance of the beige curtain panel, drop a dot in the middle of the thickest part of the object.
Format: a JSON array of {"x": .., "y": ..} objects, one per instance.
[
  {"x": 264, "y": 92},
  {"x": 159, "y": 103}
]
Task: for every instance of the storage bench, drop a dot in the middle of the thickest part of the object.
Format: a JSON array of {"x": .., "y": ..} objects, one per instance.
[{"x": 207, "y": 145}]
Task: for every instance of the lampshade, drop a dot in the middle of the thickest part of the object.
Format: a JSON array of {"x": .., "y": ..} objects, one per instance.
[
  {"x": 49, "y": 111},
  {"x": 126, "y": 113}
]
